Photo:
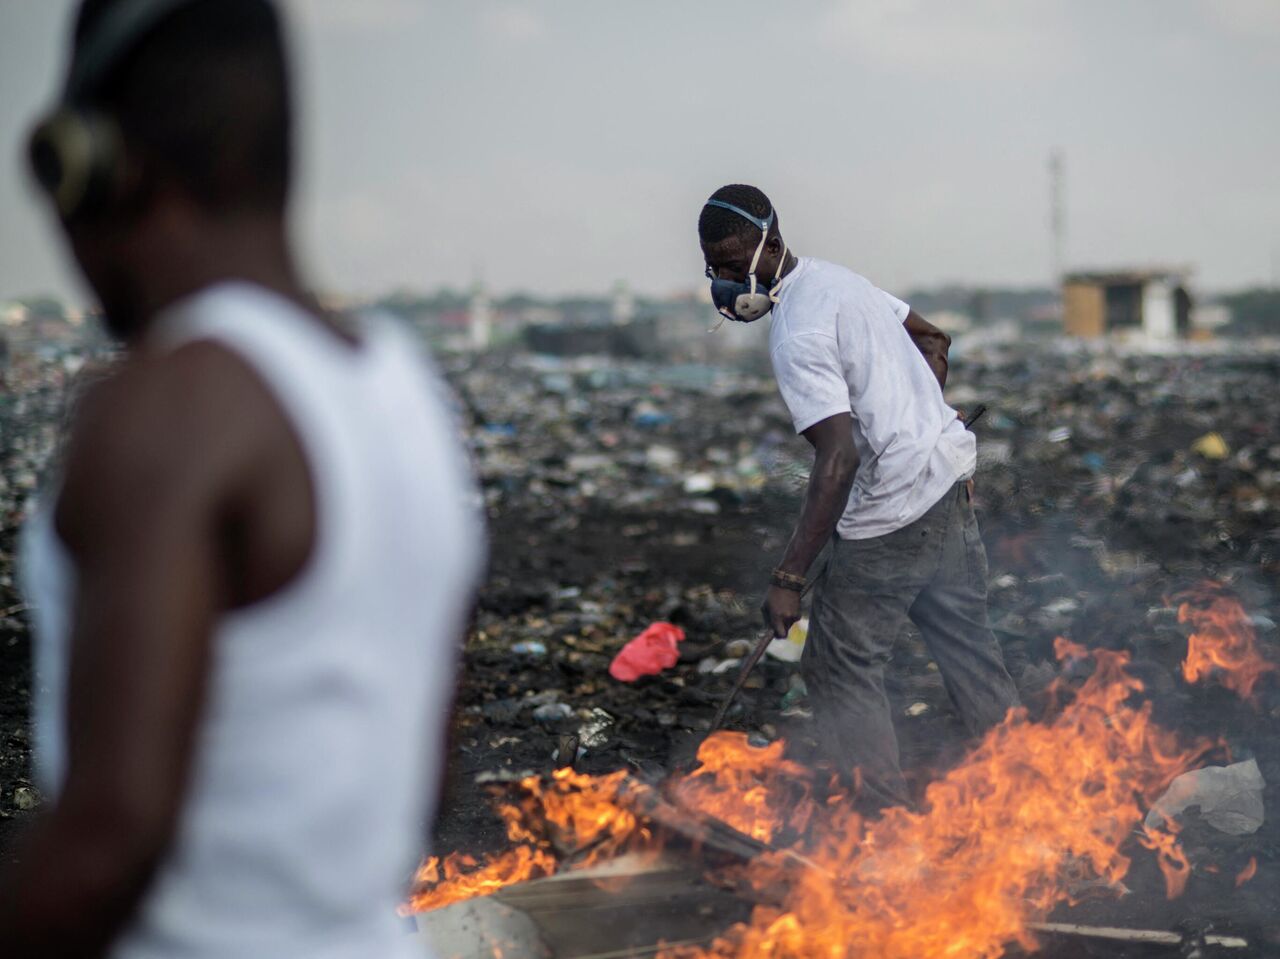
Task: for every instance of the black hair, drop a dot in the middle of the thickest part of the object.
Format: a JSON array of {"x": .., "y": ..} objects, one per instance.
[
  {"x": 204, "y": 97},
  {"x": 716, "y": 223}
]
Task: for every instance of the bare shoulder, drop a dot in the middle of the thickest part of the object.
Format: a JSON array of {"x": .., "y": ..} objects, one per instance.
[{"x": 164, "y": 427}]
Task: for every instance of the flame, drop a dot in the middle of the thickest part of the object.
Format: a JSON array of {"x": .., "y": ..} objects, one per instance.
[
  {"x": 1223, "y": 640},
  {"x": 439, "y": 882},
  {"x": 987, "y": 854},
  {"x": 572, "y": 813},
  {"x": 457, "y": 877},
  {"x": 1248, "y": 872},
  {"x": 995, "y": 847},
  {"x": 747, "y": 787}
]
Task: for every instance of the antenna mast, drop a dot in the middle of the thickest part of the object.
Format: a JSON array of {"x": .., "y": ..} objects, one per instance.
[{"x": 1057, "y": 213}]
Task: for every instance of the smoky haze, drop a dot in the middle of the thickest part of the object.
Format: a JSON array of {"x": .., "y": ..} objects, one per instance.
[{"x": 556, "y": 147}]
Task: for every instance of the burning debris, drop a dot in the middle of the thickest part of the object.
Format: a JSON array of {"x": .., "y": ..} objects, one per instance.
[
  {"x": 1223, "y": 642},
  {"x": 980, "y": 866}
]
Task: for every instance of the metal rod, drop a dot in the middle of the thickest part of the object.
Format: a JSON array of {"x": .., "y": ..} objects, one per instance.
[
  {"x": 748, "y": 664},
  {"x": 763, "y": 643},
  {"x": 1133, "y": 935}
]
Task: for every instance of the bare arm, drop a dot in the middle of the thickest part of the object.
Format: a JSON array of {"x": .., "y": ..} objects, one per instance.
[
  {"x": 143, "y": 489},
  {"x": 835, "y": 462},
  {"x": 931, "y": 342}
]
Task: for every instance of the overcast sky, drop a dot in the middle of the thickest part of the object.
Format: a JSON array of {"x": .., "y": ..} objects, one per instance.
[{"x": 563, "y": 145}]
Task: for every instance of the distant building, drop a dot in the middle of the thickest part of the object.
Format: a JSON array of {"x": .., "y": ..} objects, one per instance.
[
  {"x": 479, "y": 318},
  {"x": 623, "y": 308},
  {"x": 1148, "y": 304}
]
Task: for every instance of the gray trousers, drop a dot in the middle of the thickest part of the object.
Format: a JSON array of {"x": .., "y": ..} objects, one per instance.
[{"x": 933, "y": 571}]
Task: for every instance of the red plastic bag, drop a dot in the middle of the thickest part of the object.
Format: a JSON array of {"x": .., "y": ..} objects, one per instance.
[{"x": 648, "y": 654}]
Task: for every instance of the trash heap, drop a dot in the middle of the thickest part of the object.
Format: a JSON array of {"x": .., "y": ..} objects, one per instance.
[
  {"x": 32, "y": 409},
  {"x": 624, "y": 494}
]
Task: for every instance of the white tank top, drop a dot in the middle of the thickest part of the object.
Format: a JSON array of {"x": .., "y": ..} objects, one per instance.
[{"x": 321, "y": 744}]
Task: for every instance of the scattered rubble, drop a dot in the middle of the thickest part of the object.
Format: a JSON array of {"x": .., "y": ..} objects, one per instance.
[
  {"x": 623, "y": 493},
  {"x": 33, "y": 396},
  {"x": 1095, "y": 508}
]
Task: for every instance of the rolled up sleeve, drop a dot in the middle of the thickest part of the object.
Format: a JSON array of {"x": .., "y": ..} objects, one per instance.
[{"x": 900, "y": 309}]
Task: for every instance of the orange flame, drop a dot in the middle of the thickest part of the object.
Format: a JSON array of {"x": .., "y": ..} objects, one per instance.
[
  {"x": 1223, "y": 639},
  {"x": 457, "y": 877},
  {"x": 993, "y": 849},
  {"x": 747, "y": 787},
  {"x": 573, "y": 812},
  {"x": 986, "y": 855},
  {"x": 1248, "y": 872}
]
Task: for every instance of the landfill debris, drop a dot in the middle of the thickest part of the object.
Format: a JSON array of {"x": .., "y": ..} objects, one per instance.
[
  {"x": 796, "y": 693},
  {"x": 510, "y": 775},
  {"x": 1062, "y": 606},
  {"x": 25, "y": 797},
  {"x": 553, "y": 712},
  {"x": 477, "y": 929},
  {"x": 662, "y": 458},
  {"x": 785, "y": 651},
  {"x": 594, "y": 733},
  {"x": 699, "y": 483},
  {"x": 994, "y": 451},
  {"x": 1229, "y": 797},
  {"x": 799, "y": 631},
  {"x": 717, "y": 667},
  {"x": 502, "y": 710},
  {"x": 568, "y": 751},
  {"x": 738, "y": 648},
  {"x": 1248, "y": 872},
  {"x": 648, "y": 654},
  {"x": 529, "y": 648},
  {"x": 1211, "y": 446},
  {"x": 622, "y": 492},
  {"x": 603, "y": 487}
]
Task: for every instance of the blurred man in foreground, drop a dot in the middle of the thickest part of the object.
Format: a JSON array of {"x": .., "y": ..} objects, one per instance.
[
  {"x": 888, "y": 489},
  {"x": 252, "y": 576}
]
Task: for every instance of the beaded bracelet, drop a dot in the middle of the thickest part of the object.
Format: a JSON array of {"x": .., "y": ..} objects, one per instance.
[{"x": 784, "y": 580}]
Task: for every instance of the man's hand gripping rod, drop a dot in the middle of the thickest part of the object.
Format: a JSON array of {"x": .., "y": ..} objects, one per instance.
[{"x": 763, "y": 643}]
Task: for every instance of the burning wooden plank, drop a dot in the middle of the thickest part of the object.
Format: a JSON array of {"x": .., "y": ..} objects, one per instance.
[
  {"x": 629, "y": 907},
  {"x": 638, "y": 905}
]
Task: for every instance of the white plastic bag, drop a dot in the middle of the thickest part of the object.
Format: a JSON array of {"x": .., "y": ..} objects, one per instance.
[{"x": 1229, "y": 797}]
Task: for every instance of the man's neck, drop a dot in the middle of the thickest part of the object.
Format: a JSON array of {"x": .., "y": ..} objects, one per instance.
[
  {"x": 250, "y": 250},
  {"x": 789, "y": 264}
]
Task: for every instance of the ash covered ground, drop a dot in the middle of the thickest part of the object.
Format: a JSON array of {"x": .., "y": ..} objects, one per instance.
[{"x": 623, "y": 493}]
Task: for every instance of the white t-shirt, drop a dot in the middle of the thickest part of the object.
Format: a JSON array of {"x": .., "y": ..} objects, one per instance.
[{"x": 838, "y": 346}]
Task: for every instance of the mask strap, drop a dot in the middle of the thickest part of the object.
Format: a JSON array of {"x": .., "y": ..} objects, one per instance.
[
  {"x": 755, "y": 260},
  {"x": 777, "y": 275}
]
